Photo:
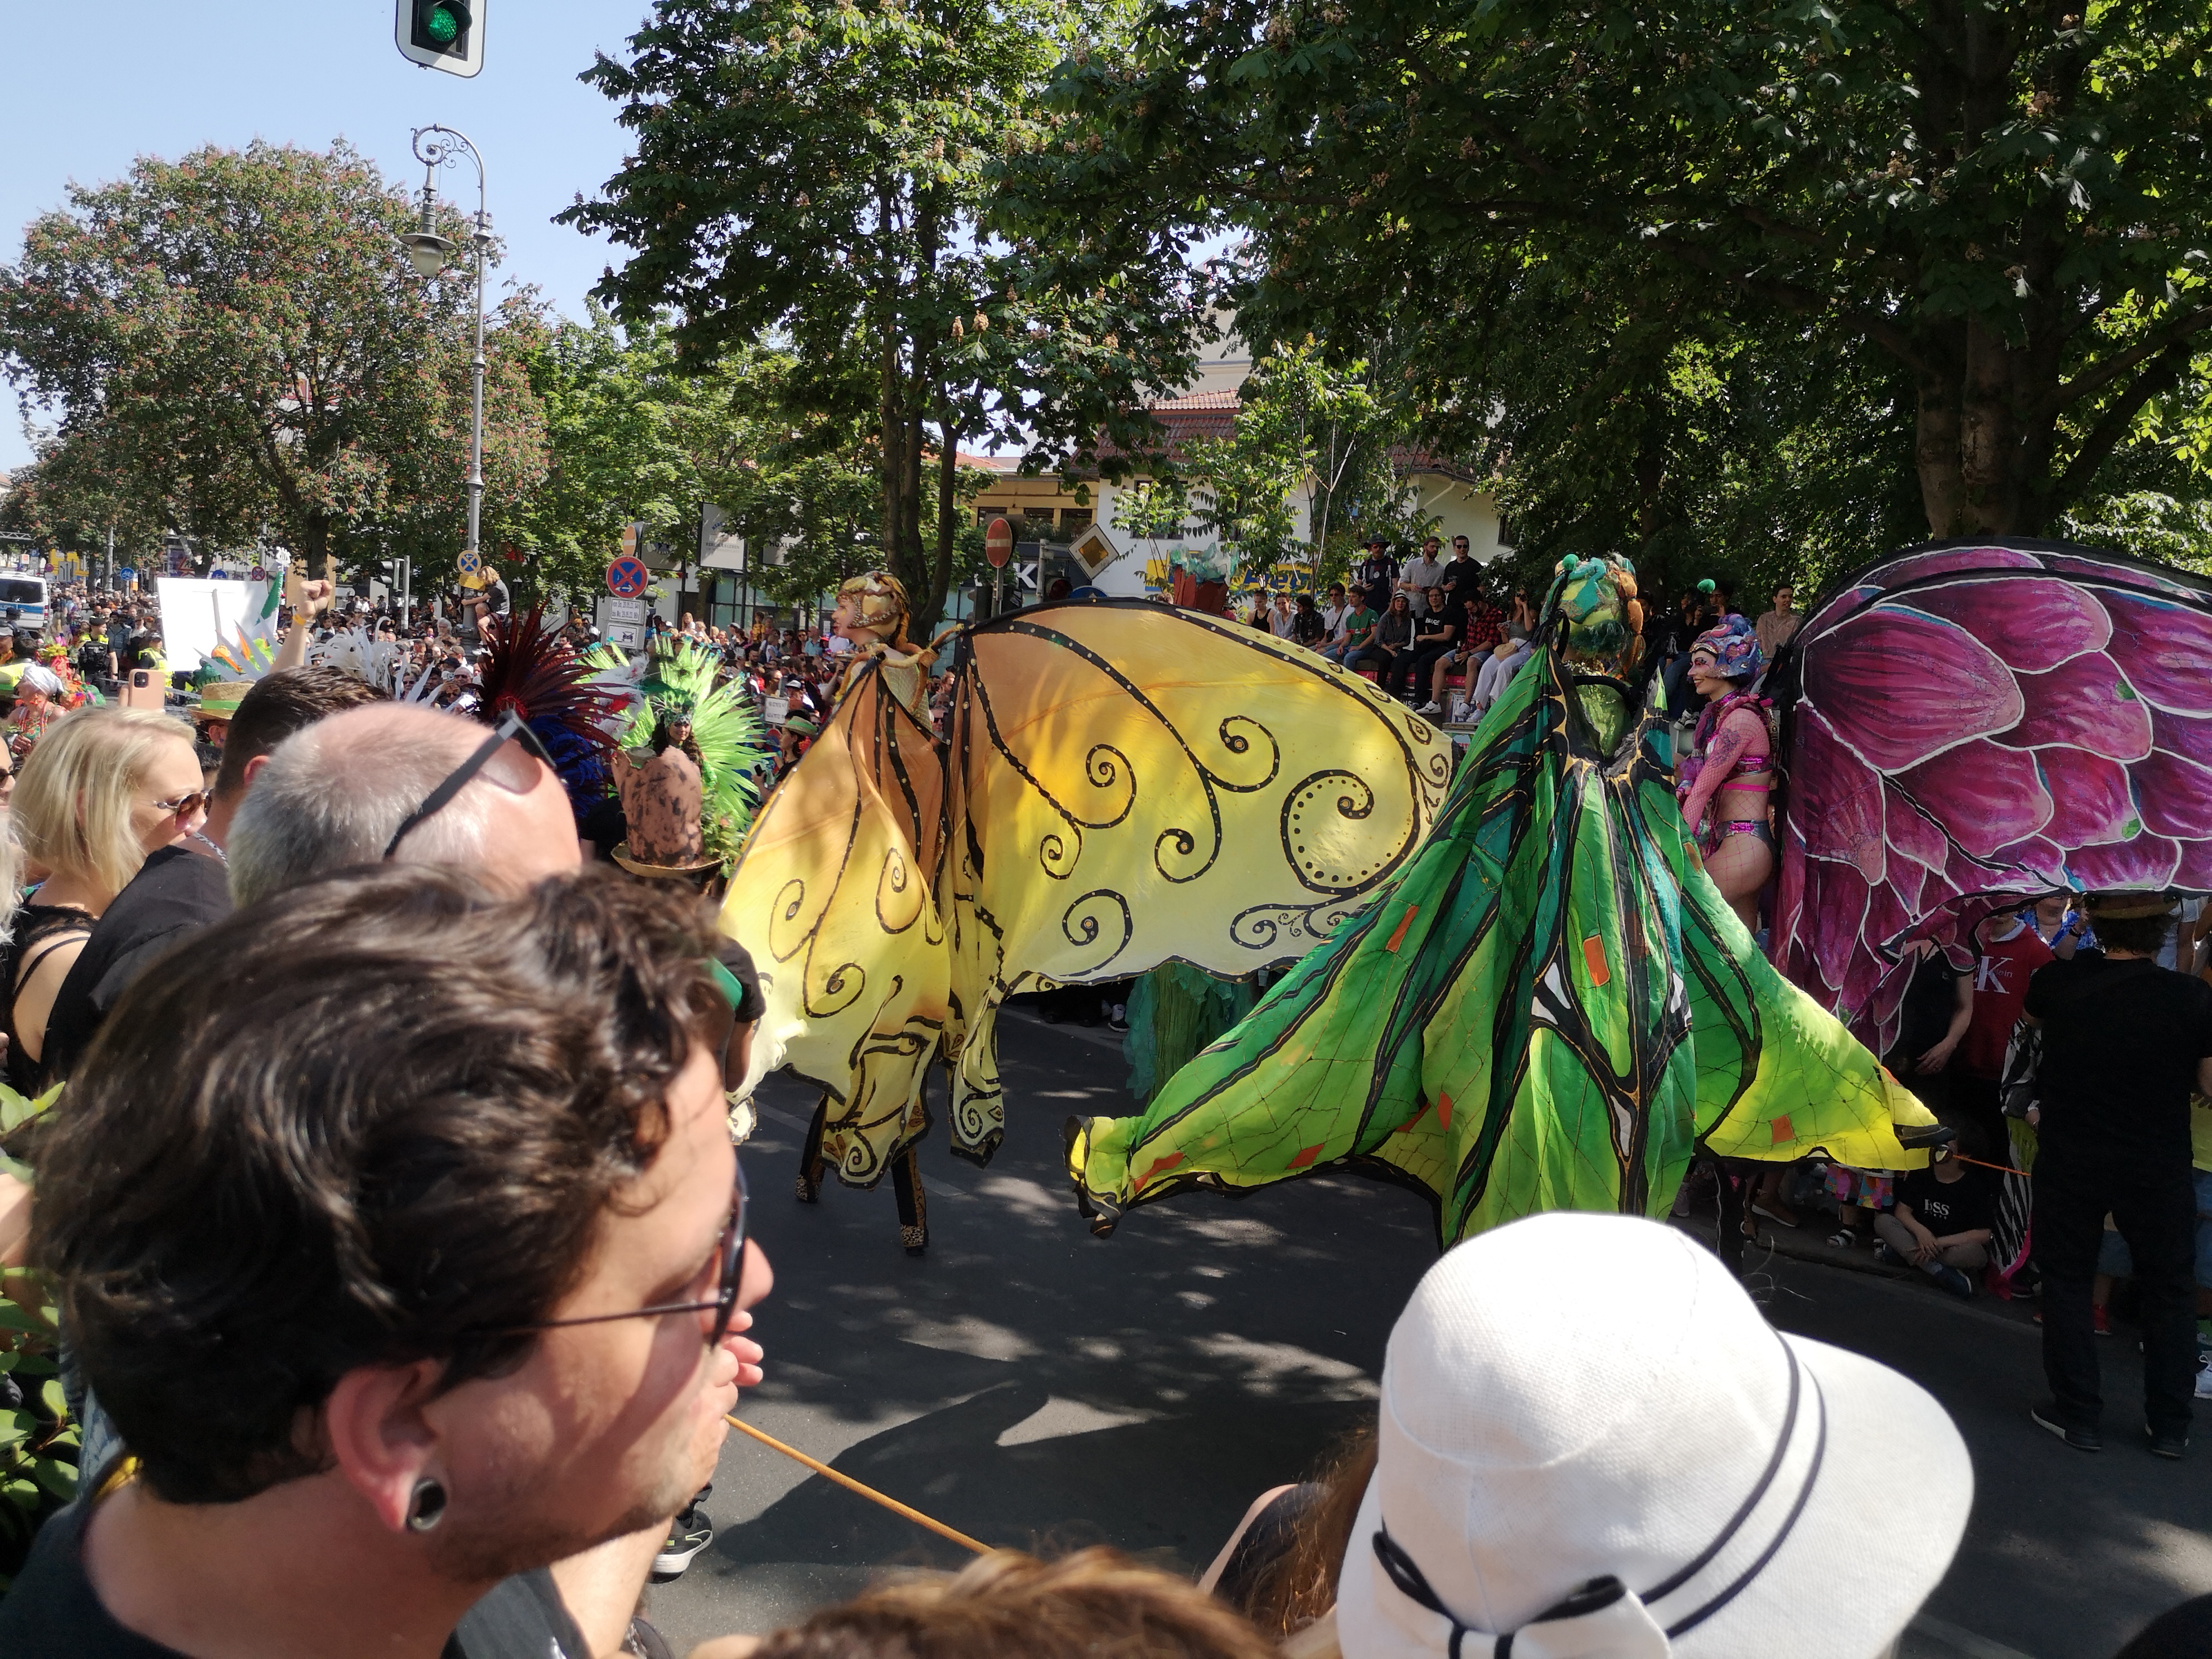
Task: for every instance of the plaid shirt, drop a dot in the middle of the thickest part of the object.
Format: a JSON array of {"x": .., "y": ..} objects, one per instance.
[{"x": 1486, "y": 626}]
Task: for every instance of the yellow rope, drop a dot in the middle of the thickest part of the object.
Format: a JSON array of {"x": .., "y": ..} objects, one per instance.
[{"x": 869, "y": 1492}]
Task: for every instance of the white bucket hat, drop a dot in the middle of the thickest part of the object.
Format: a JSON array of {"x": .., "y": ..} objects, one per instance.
[{"x": 1592, "y": 1446}]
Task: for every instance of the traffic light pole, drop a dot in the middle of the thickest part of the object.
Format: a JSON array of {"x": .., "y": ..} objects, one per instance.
[{"x": 433, "y": 147}]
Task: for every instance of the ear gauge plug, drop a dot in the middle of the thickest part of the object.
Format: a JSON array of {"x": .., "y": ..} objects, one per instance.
[{"x": 426, "y": 1507}]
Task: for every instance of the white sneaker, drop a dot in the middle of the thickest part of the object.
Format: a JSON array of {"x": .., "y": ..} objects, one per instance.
[{"x": 1429, "y": 708}]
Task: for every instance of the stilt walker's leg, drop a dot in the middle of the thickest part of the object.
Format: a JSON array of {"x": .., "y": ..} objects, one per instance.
[
  {"x": 1731, "y": 1199},
  {"x": 913, "y": 1205},
  {"x": 810, "y": 1155}
]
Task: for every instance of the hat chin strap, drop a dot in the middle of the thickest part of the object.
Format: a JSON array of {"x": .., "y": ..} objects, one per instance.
[{"x": 1604, "y": 1619}]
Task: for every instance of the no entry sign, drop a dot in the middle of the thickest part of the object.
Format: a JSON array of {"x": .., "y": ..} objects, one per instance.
[
  {"x": 627, "y": 576},
  {"x": 999, "y": 542}
]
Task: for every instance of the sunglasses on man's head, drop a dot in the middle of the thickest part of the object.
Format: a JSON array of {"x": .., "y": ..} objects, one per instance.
[{"x": 508, "y": 757}]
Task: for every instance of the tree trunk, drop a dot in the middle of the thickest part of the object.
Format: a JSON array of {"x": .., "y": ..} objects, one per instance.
[
  {"x": 315, "y": 545},
  {"x": 948, "y": 468}
]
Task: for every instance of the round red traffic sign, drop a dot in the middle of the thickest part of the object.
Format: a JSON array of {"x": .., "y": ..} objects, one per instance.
[
  {"x": 627, "y": 577},
  {"x": 999, "y": 542}
]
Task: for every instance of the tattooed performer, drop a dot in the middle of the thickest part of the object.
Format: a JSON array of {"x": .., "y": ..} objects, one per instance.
[{"x": 1724, "y": 779}]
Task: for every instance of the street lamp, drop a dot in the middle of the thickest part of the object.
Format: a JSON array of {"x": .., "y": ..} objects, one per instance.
[{"x": 434, "y": 147}]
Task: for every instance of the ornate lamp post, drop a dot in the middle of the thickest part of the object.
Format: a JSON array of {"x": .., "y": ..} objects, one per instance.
[{"x": 435, "y": 147}]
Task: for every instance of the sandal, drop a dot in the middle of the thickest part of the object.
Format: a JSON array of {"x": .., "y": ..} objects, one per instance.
[{"x": 1845, "y": 1238}]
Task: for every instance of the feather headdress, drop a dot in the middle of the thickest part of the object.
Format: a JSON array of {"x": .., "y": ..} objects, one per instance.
[
  {"x": 528, "y": 667},
  {"x": 679, "y": 681}
]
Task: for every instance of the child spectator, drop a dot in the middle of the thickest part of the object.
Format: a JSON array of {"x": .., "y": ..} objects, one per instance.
[{"x": 1940, "y": 1224}]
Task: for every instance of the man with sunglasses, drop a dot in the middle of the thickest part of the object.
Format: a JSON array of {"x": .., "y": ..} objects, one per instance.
[
  {"x": 396, "y": 783},
  {"x": 488, "y": 1312}
]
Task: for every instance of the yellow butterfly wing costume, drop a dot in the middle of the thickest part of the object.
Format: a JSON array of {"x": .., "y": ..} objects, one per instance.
[{"x": 1118, "y": 784}]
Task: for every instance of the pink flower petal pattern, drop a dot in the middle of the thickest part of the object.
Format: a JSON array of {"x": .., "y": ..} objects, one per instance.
[
  {"x": 1842, "y": 800},
  {"x": 2177, "y": 734},
  {"x": 2091, "y": 800},
  {"x": 2146, "y": 861},
  {"x": 1912, "y": 567},
  {"x": 2176, "y": 795},
  {"x": 2085, "y": 704},
  {"x": 1984, "y": 794},
  {"x": 2027, "y": 719},
  {"x": 1910, "y": 831},
  {"x": 1899, "y": 685},
  {"x": 2035, "y": 623},
  {"x": 2165, "y": 649}
]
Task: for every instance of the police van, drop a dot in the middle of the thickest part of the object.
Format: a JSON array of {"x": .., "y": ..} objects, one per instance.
[{"x": 22, "y": 600}]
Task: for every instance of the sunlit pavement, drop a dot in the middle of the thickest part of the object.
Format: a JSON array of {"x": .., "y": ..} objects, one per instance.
[{"x": 1030, "y": 1385}]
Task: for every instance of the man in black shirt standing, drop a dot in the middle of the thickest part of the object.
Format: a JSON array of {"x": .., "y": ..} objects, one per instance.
[{"x": 2124, "y": 1043}]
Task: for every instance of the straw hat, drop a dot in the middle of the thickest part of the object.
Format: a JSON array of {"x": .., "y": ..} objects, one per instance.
[
  {"x": 219, "y": 701},
  {"x": 1594, "y": 1443}
]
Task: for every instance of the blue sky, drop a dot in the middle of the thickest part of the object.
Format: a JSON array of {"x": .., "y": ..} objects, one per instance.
[{"x": 161, "y": 77}]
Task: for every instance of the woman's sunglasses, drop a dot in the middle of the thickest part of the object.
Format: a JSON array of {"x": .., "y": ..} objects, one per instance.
[{"x": 185, "y": 805}]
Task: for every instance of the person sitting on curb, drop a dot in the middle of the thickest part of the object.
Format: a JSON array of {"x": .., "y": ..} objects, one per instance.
[{"x": 1940, "y": 1224}]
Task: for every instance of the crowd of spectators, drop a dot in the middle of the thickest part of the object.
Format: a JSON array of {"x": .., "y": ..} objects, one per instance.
[{"x": 405, "y": 1264}]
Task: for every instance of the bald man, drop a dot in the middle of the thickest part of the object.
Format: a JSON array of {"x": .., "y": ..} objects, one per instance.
[{"x": 334, "y": 796}]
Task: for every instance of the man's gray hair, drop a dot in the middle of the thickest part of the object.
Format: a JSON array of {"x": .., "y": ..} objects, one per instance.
[{"x": 332, "y": 794}]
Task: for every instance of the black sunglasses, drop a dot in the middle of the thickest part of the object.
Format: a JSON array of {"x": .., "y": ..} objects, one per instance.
[
  {"x": 729, "y": 1257},
  {"x": 513, "y": 729}
]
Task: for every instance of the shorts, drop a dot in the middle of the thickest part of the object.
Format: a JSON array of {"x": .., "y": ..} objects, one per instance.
[{"x": 1870, "y": 1189}]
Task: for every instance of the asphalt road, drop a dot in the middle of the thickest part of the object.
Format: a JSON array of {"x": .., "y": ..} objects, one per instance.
[{"x": 1030, "y": 1385}]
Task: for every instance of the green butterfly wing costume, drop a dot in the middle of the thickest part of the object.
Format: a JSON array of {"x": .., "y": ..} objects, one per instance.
[{"x": 1551, "y": 1007}]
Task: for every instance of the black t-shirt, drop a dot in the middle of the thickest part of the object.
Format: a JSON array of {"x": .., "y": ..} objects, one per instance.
[
  {"x": 1945, "y": 1208},
  {"x": 1461, "y": 578},
  {"x": 1930, "y": 1001},
  {"x": 1452, "y": 616},
  {"x": 2121, "y": 1043},
  {"x": 52, "y": 1612},
  {"x": 177, "y": 892}
]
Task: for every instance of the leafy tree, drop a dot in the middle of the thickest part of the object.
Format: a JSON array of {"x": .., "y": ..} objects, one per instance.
[
  {"x": 2001, "y": 203},
  {"x": 818, "y": 172},
  {"x": 2149, "y": 525},
  {"x": 1153, "y": 510},
  {"x": 623, "y": 427},
  {"x": 1307, "y": 429},
  {"x": 239, "y": 333}
]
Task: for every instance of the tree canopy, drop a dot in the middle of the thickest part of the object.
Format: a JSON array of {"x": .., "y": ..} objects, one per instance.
[
  {"x": 1998, "y": 209},
  {"x": 236, "y": 342},
  {"x": 817, "y": 171}
]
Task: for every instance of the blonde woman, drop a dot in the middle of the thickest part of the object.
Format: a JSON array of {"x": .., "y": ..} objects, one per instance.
[{"x": 104, "y": 788}]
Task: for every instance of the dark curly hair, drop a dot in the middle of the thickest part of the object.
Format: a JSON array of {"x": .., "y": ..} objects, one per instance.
[{"x": 372, "y": 1121}]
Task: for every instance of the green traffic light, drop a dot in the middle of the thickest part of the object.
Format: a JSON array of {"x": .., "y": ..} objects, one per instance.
[{"x": 442, "y": 26}]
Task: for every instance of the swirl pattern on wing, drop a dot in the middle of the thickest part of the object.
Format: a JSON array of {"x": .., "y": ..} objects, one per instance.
[{"x": 1221, "y": 739}]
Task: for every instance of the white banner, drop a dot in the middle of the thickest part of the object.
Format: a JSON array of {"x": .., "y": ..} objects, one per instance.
[{"x": 198, "y": 614}]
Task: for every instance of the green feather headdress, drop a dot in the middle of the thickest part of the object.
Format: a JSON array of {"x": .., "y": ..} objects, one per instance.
[{"x": 725, "y": 727}]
